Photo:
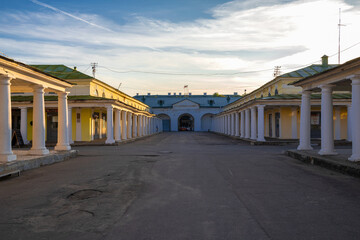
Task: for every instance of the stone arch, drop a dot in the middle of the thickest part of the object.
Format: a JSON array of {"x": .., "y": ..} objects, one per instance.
[
  {"x": 166, "y": 122},
  {"x": 186, "y": 122},
  {"x": 206, "y": 122}
]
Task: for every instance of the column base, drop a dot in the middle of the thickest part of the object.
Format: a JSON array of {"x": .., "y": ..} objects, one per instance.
[
  {"x": 43, "y": 151},
  {"x": 304, "y": 148},
  {"x": 7, "y": 158},
  {"x": 62, "y": 148},
  {"x": 110, "y": 141},
  {"x": 261, "y": 140},
  {"x": 324, "y": 153},
  {"x": 354, "y": 158},
  {"x": 118, "y": 140}
]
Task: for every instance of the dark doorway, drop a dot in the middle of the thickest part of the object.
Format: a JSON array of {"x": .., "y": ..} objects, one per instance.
[
  {"x": 15, "y": 119},
  {"x": 51, "y": 125},
  {"x": 277, "y": 124},
  {"x": 186, "y": 123},
  {"x": 96, "y": 117},
  {"x": 315, "y": 121},
  {"x": 270, "y": 125}
]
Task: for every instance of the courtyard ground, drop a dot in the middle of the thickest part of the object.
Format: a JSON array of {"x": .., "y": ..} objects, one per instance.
[{"x": 180, "y": 186}]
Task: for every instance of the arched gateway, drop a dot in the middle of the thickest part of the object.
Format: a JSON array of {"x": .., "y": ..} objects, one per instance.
[{"x": 186, "y": 122}]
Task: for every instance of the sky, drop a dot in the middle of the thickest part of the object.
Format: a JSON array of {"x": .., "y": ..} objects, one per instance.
[{"x": 159, "y": 46}]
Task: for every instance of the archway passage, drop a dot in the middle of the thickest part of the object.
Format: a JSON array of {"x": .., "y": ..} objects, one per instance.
[
  {"x": 166, "y": 124},
  {"x": 186, "y": 123}
]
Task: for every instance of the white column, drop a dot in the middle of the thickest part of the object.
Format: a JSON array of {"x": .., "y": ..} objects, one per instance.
[
  {"x": 253, "y": 123},
  {"x": 349, "y": 109},
  {"x": 247, "y": 123},
  {"x": 294, "y": 123},
  {"x": 135, "y": 125},
  {"x": 242, "y": 123},
  {"x": 232, "y": 124},
  {"x": 124, "y": 125},
  {"x": 70, "y": 140},
  {"x": 355, "y": 118},
  {"x": 110, "y": 126},
  {"x": 117, "y": 126},
  {"x": 261, "y": 123},
  {"x": 228, "y": 124},
  {"x": 6, "y": 154},
  {"x": 23, "y": 124},
  {"x": 305, "y": 110},
  {"x": 145, "y": 126},
  {"x": 63, "y": 131},
  {"x": 337, "y": 123},
  {"x": 237, "y": 125},
  {"x": 38, "y": 134},
  {"x": 327, "y": 122},
  {"x": 148, "y": 125},
  {"x": 129, "y": 125}
]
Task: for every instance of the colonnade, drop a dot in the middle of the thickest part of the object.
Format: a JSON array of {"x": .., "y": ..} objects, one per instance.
[
  {"x": 38, "y": 133},
  {"x": 124, "y": 124},
  {"x": 327, "y": 123},
  {"x": 246, "y": 123}
]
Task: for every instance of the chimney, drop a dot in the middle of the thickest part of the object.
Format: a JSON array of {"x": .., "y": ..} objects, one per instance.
[
  {"x": 189, "y": 93},
  {"x": 205, "y": 93},
  {"x": 169, "y": 94},
  {"x": 235, "y": 93},
  {"x": 75, "y": 68},
  {"x": 325, "y": 61},
  {"x": 179, "y": 93},
  {"x": 137, "y": 94},
  {"x": 174, "y": 93},
  {"x": 148, "y": 94}
]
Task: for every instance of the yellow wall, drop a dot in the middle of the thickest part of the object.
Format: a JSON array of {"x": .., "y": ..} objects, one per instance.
[
  {"x": 29, "y": 127},
  {"x": 285, "y": 123},
  {"x": 85, "y": 124}
]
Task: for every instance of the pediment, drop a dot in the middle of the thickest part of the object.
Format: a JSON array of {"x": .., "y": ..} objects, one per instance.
[{"x": 186, "y": 103}]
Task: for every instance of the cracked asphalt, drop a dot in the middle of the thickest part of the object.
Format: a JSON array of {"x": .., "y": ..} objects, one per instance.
[{"x": 180, "y": 186}]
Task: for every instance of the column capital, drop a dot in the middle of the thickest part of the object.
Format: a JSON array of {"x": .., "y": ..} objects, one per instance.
[
  {"x": 326, "y": 87},
  {"x": 38, "y": 88},
  {"x": 5, "y": 79},
  {"x": 261, "y": 106},
  {"x": 109, "y": 107},
  {"x": 23, "y": 108},
  {"x": 355, "y": 78},
  {"x": 62, "y": 94}
]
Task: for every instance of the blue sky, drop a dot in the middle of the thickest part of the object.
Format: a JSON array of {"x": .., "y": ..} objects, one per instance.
[{"x": 160, "y": 46}]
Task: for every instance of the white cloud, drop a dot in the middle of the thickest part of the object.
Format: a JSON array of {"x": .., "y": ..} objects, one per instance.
[{"x": 241, "y": 37}]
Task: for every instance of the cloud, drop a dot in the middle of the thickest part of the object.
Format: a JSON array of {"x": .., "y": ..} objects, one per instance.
[
  {"x": 239, "y": 37},
  {"x": 70, "y": 15}
]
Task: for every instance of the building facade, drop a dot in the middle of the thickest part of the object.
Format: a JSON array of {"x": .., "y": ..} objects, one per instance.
[
  {"x": 273, "y": 110},
  {"x": 96, "y": 110},
  {"x": 187, "y": 113}
]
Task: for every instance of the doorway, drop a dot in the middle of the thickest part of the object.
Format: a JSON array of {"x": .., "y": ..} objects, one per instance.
[{"x": 186, "y": 123}]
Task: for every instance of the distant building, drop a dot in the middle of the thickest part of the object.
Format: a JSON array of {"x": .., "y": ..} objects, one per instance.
[{"x": 187, "y": 112}]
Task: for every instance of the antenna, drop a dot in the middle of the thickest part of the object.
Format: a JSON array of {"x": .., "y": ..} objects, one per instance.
[
  {"x": 339, "y": 25},
  {"x": 277, "y": 71},
  {"x": 119, "y": 86},
  {"x": 93, "y": 66}
]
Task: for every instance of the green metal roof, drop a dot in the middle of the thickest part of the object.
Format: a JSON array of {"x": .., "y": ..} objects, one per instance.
[
  {"x": 29, "y": 98},
  {"x": 62, "y": 72},
  {"x": 308, "y": 71}
]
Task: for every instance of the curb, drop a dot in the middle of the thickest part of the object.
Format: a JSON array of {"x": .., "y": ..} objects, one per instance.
[
  {"x": 24, "y": 165},
  {"x": 351, "y": 169}
]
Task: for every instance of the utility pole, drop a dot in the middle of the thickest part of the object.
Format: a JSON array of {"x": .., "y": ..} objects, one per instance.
[
  {"x": 93, "y": 66},
  {"x": 277, "y": 71},
  {"x": 339, "y": 25}
]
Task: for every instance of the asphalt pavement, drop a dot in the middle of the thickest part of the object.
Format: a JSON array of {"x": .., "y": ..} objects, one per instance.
[{"x": 180, "y": 186}]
